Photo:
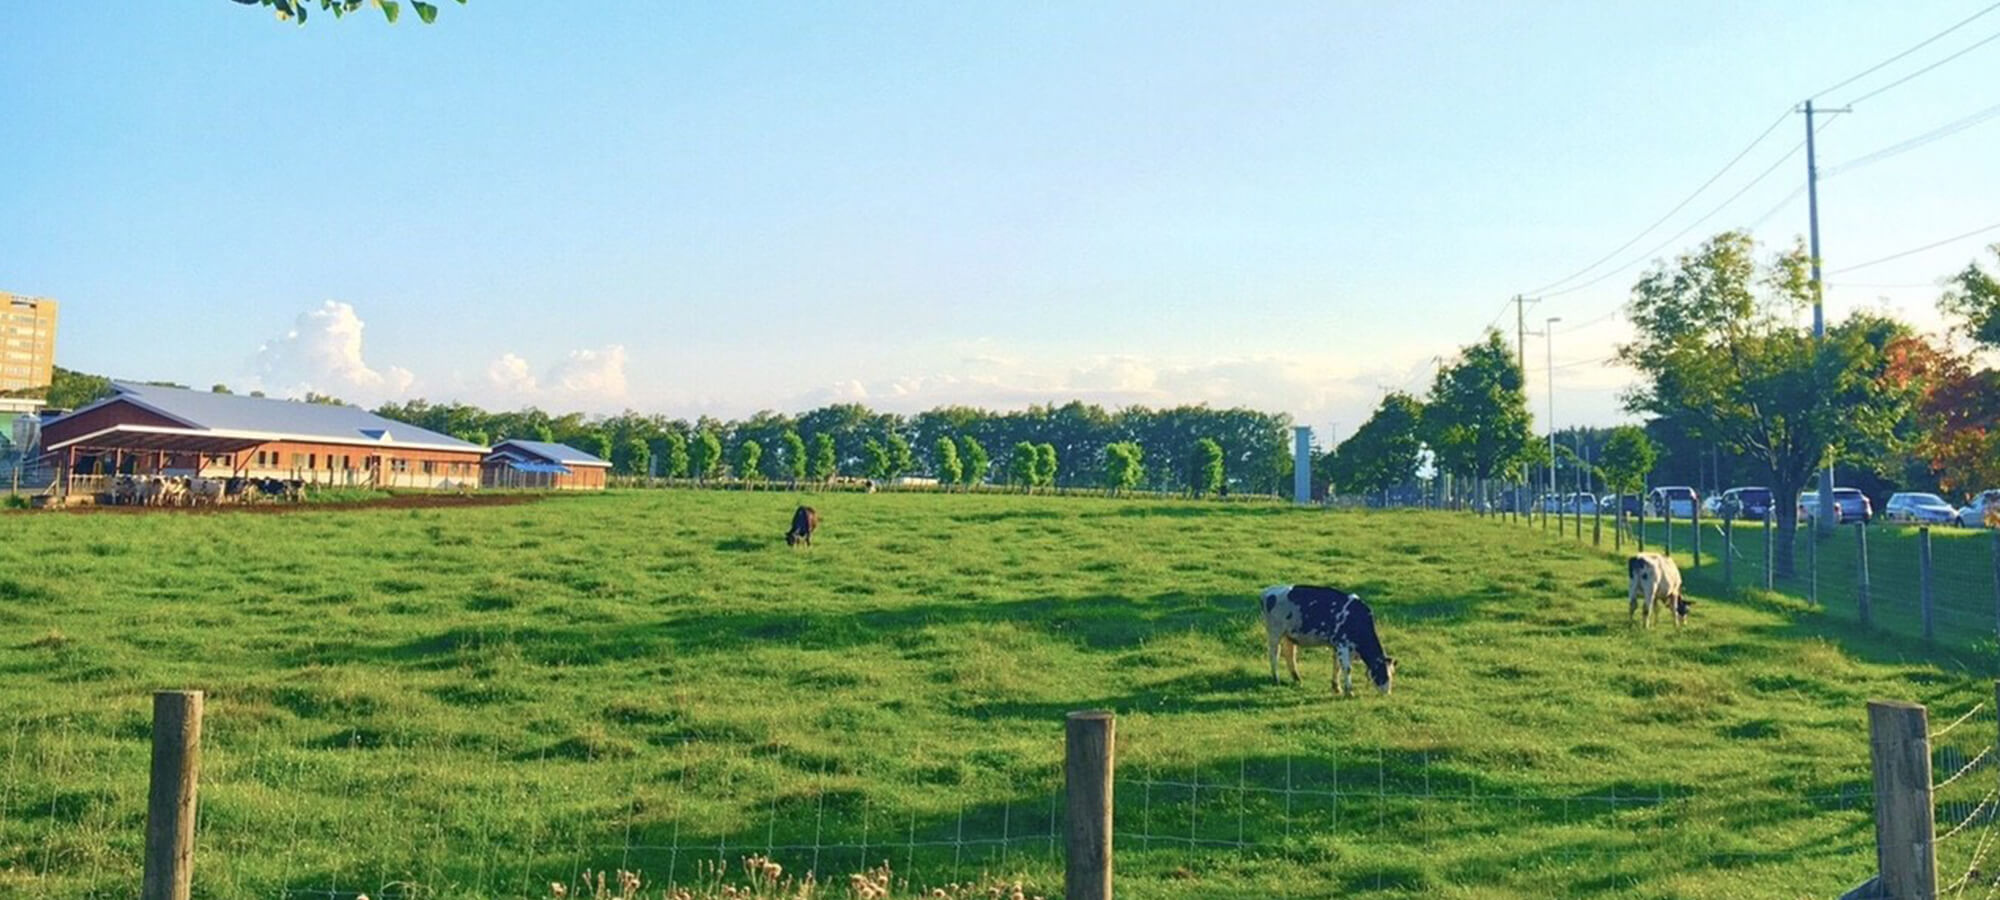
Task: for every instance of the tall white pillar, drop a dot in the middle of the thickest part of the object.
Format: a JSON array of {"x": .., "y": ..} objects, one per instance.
[{"x": 1302, "y": 462}]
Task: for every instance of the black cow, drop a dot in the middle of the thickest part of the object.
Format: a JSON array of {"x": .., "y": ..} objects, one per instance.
[
  {"x": 805, "y": 520},
  {"x": 1307, "y": 615}
]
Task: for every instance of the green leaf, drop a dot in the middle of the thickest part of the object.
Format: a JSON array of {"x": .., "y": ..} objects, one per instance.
[
  {"x": 425, "y": 11},
  {"x": 391, "y": 10}
]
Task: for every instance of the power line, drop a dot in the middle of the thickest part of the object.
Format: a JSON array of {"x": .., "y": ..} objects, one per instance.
[
  {"x": 1690, "y": 226},
  {"x": 1920, "y": 45},
  {"x": 1586, "y": 324},
  {"x": 1931, "y": 246},
  {"x": 1935, "y": 134},
  {"x": 1671, "y": 212},
  {"x": 1898, "y": 82}
]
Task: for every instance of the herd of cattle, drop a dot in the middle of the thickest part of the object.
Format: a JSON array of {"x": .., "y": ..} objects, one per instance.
[
  {"x": 179, "y": 490},
  {"x": 1307, "y": 615}
]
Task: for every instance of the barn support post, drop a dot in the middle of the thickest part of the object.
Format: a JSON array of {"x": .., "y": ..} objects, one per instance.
[
  {"x": 1924, "y": 580},
  {"x": 170, "y": 801},
  {"x": 1899, "y": 745},
  {"x": 1861, "y": 573},
  {"x": 1090, "y": 748}
]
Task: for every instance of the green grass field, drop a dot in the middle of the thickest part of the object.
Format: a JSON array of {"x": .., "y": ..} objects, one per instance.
[{"x": 475, "y": 702}]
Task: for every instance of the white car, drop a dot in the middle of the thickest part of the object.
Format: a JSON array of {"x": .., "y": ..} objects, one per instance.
[{"x": 1983, "y": 511}]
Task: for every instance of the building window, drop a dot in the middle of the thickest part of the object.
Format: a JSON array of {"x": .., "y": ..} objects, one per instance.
[
  {"x": 298, "y": 460},
  {"x": 399, "y": 466}
]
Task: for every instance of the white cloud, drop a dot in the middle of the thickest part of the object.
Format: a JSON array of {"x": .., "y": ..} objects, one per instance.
[
  {"x": 586, "y": 379},
  {"x": 323, "y": 352}
]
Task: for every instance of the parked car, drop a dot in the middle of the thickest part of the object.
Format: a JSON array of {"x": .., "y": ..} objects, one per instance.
[
  {"x": 1675, "y": 501},
  {"x": 1711, "y": 506},
  {"x": 1582, "y": 504},
  {"x": 1983, "y": 511},
  {"x": 1610, "y": 503},
  {"x": 1849, "y": 505},
  {"x": 1747, "y": 502},
  {"x": 1919, "y": 509}
]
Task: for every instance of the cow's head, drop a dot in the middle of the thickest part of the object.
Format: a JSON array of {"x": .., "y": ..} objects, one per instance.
[
  {"x": 1680, "y": 605},
  {"x": 791, "y": 538},
  {"x": 1383, "y": 674}
]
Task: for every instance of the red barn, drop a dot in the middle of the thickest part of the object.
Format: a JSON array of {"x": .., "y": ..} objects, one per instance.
[{"x": 170, "y": 431}]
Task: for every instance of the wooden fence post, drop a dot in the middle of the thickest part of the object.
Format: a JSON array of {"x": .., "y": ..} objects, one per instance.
[
  {"x": 1924, "y": 579},
  {"x": 1596, "y": 524},
  {"x": 1861, "y": 562},
  {"x": 1641, "y": 533},
  {"x": 1729, "y": 551},
  {"x": 1770, "y": 553},
  {"x": 1812, "y": 562},
  {"x": 1996, "y": 581},
  {"x": 1905, "y": 831},
  {"x": 170, "y": 803},
  {"x": 1090, "y": 747},
  {"x": 1696, "y": 541}
]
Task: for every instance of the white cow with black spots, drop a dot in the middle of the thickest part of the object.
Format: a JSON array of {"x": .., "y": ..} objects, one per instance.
[
  {"x": 1298, "y": 615},
  {"x": 1655, "y": 581}
]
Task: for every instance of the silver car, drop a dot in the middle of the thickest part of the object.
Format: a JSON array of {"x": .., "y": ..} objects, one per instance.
[
  {"x": 1919, "y": 509},
  {"x": 1983, "y": 511}
]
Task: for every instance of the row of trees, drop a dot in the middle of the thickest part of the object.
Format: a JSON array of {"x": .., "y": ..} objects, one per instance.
[
  {"x": 1194, "y": 449},
  {"x": 1729, "y": 370}
]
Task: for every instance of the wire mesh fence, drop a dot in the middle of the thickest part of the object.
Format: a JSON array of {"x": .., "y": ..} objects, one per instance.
[
  {"x": 1936, "y": 583},
  {"x": 363, "y": 814},
  {"x": 1965, "y": 766}
]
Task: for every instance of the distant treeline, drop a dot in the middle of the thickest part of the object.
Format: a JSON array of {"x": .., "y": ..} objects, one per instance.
[{"x": 1255, "y": 445}]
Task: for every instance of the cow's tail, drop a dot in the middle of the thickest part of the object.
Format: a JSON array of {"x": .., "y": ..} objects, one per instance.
[{"x": 1635, "y": 565}]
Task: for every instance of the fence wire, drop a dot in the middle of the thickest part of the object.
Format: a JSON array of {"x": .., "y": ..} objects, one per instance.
[{"x": 1965, "y": 767}]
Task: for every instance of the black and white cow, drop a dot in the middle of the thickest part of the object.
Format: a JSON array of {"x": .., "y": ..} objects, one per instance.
[
  {"x": 1655, "y": 581},
  {"x": 1298, "y": 615}
]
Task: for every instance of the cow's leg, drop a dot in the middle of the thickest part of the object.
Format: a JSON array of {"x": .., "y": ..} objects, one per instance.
[
  {"x": 1652, "y": 601},
  {"x": 1345, "y": 675},
  {"x": 1631, "y": 599},
  {"x": 1276, "y": 641},
  {"x": 1291, "y": 651}
]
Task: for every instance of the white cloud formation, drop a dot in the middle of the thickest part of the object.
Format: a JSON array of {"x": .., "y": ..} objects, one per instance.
[
  {"x": 323, "y": 352},
  {"x": 586, "y": 379}
]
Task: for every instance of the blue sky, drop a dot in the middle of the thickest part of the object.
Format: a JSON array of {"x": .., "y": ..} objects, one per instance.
[{"x": 720, "y": 210}]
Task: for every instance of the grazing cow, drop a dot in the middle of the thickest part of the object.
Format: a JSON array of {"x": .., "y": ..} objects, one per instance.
[
  {"x": 1305, "y": 615},
  {"x": 1656, "y": 579},
  {"x": 805, "y": 520},
  {"x": 204, "y": 491}
]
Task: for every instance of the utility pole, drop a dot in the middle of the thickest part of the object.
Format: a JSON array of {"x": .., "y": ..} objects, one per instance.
[
  {"x": 1549, "y": 330},
  {"x": 1825, "y": 516},
  {"x": 1521, "y": 345}
]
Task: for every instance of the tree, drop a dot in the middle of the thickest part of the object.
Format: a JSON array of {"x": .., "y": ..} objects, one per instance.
[
  {"x": 1207, "y": 476},
  {"x": 874, "y": 460},
  {"x": 900, "y": 459},
  {"x": 825, "y": 464},
  {"x": 1727, "y": 360},
  {"x": 1122, "y": 467},
  {"x": 706, "y": 454},
  {"x": 1385, "y": 452},
  {"x": 477, "y": 438},
  {"x": 975, "y": 461},
  {"x": 542, "y": 432},
  {"x": 1972, "y": 297},
  {"x": 795, "y": 456},
  {"x": 1045, "y": 465},
  {"x": 673, "y": 455},
  {"x": 595, "y": 443},
  {"x": 632, "y": 457},
  {"x": 1955, "y": 413},
  {"x": 1476, "y": 419},
  {"x": 219, "y": 389},
  {"x": 320, "y": 399},
  {"x": 1628, "y": 458},
  {"x": 949, "y": 470},
  {"x": 391, "y": 9},
  {"x": 748, "y": 454},
  {"x": 1025, "y": 466}
]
